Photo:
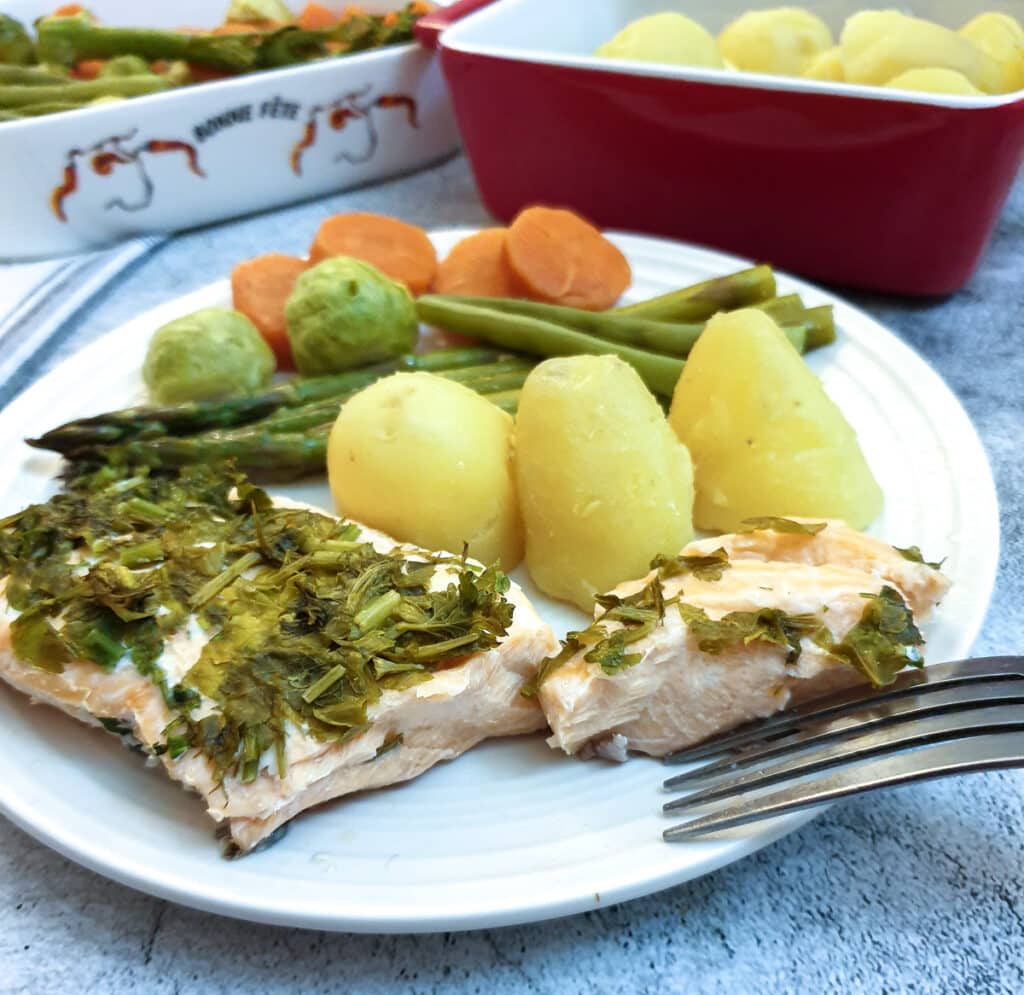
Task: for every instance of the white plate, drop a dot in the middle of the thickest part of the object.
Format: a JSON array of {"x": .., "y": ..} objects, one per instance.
[{"x": 512, "y": 831}]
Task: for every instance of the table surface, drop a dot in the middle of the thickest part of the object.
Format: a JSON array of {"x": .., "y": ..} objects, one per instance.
[{"x": 918, "y": 890}]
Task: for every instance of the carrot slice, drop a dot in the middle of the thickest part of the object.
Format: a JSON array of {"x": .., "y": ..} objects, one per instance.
[
  {"x": 88, "y": 68},
  {"x": 246, "y": 27},
  {"x": 259, "y": 289},
  {"x": 400, "y": 251},
  {"x": 316, "y": 15},
  {"x": 563, "y": 259},
  {"x": 68, "y": 10},
  {"x": 477, "y": 266}
]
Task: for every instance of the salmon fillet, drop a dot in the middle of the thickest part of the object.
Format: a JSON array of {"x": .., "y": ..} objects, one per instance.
[
  {"x": 475, "y": 699},
  {"x": 677, "y": 694}
]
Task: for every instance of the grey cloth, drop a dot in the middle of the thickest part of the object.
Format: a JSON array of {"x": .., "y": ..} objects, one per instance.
[
  {"x": 39, "y": 300},
  {"x": 917, "y": 890}
]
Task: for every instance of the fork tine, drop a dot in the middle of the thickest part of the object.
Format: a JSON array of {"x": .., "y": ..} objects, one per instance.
[
  {"x": 909, "y": 682},
  {"x": 928, "y": 701},
  {"x": 993, "y": 751},
  {"x": 886, "y": 741}
]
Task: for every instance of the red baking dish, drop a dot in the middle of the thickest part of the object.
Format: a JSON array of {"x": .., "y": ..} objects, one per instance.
[{"x": 876, "y": 188}]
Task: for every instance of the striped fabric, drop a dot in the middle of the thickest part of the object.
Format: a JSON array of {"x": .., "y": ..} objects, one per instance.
[{"x": 38, "y": 299}]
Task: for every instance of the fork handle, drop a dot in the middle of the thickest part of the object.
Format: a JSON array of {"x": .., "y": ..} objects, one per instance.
[{"x": 994, "y": 751}]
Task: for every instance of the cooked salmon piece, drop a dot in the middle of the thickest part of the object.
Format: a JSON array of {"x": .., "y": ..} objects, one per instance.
[
  {"x": 677, "y": 694},
  {"x": 409, "y": 730}
]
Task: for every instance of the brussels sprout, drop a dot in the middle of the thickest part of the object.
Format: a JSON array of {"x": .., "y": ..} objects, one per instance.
[
  {"x": 16, "y": 46},
  {"x": 207, "y": 354},
  {"x": 248, "y": 11},
  {"x": 126, "y": 65},
  {"x": 345, "y": 313}
]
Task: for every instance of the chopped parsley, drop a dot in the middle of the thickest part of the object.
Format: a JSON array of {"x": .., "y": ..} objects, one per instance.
[
  {"x": 706, "y": 568},
  {"x": 914, "y": 555},
  {"x": 310, "y": 624}
]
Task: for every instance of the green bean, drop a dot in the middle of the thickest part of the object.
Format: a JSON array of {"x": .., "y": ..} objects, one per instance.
[
  {"x": 672, "y": 339},
  {"x": 821, "y": 326},
  {"x": 507, "y": 400},
  {"x": 544, "y": 338},
  {"x": 29, "y": 76},
  {"x": 40, "y": 110},
  {"x": 81, "y": 92}
]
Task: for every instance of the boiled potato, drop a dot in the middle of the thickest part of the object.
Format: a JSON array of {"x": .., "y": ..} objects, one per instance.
[
  {"x": 880, "y": 45},
  {"x": 864, "y": 29},
  {"x": 935, "y": 81},
  {"x": 669, "y": 38},
  {"x": 764, "y": 436},
  {"x": 1001, "y": 37},
  {"x": 604, "y": 483},
  {"x": 828, "y": 66},
  {"x": 785, "y": 40},
  {"x": 429, "y": 462}
]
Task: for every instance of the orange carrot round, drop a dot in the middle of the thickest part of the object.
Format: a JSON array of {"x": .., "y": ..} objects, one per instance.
[
  {"x": 560, "y": 258},
  {"x": 88, "y": 68},
  {"x": 315, "y": 15},
  {"x": 259, "y": 289},
  {"x": 477, "y": 266},
  {"x": 246, "y": 27},
  {"x": 400, "y": 251}
]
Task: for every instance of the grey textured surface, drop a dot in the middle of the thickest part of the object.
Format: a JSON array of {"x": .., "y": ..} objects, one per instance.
[{"x": 919, "y": 890}]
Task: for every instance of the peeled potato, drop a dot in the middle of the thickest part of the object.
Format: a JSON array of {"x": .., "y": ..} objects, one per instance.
[
  {"x": 604, "y": 483},
  {"x": 429, "y": 462},
  {"x": 880, "y": 45},
  {"x": 935, "y": 81},
  {"x": 863, "y": 29},
  {"x": 765, "y": 437},
  {"x": 1001, "y": 37},
  {"x": 784, "y": 41},
  {"x": 828, "y": 66},
  {"x": 669, "y": 38}
]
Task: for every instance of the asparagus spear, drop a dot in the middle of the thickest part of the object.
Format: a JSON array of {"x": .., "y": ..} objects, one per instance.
[
  {"x": 544, "y": 338},
  {"x": 283, "y": 456},
  {"x": 702, "y": 300},
  {"x": 294, "y": 442},
  {"x": 196, "y": 416},
  {"x": 67, "y": 40},
  {"x": 13, "y": 97},
  {"x": 258, "y": 448},
  {"x": 501, "y": 376}
]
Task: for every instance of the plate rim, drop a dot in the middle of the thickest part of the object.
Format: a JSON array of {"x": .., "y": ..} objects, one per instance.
[{"x": 280, "y": 909}]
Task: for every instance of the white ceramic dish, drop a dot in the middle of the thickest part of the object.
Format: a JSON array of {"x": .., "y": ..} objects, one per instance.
[
  {"x": 212, "y": 151},
  {"x": 512, "y": 831}
]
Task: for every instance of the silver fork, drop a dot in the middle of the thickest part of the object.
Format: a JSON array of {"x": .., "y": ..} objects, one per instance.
[{"x": 953, "y": 718}]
